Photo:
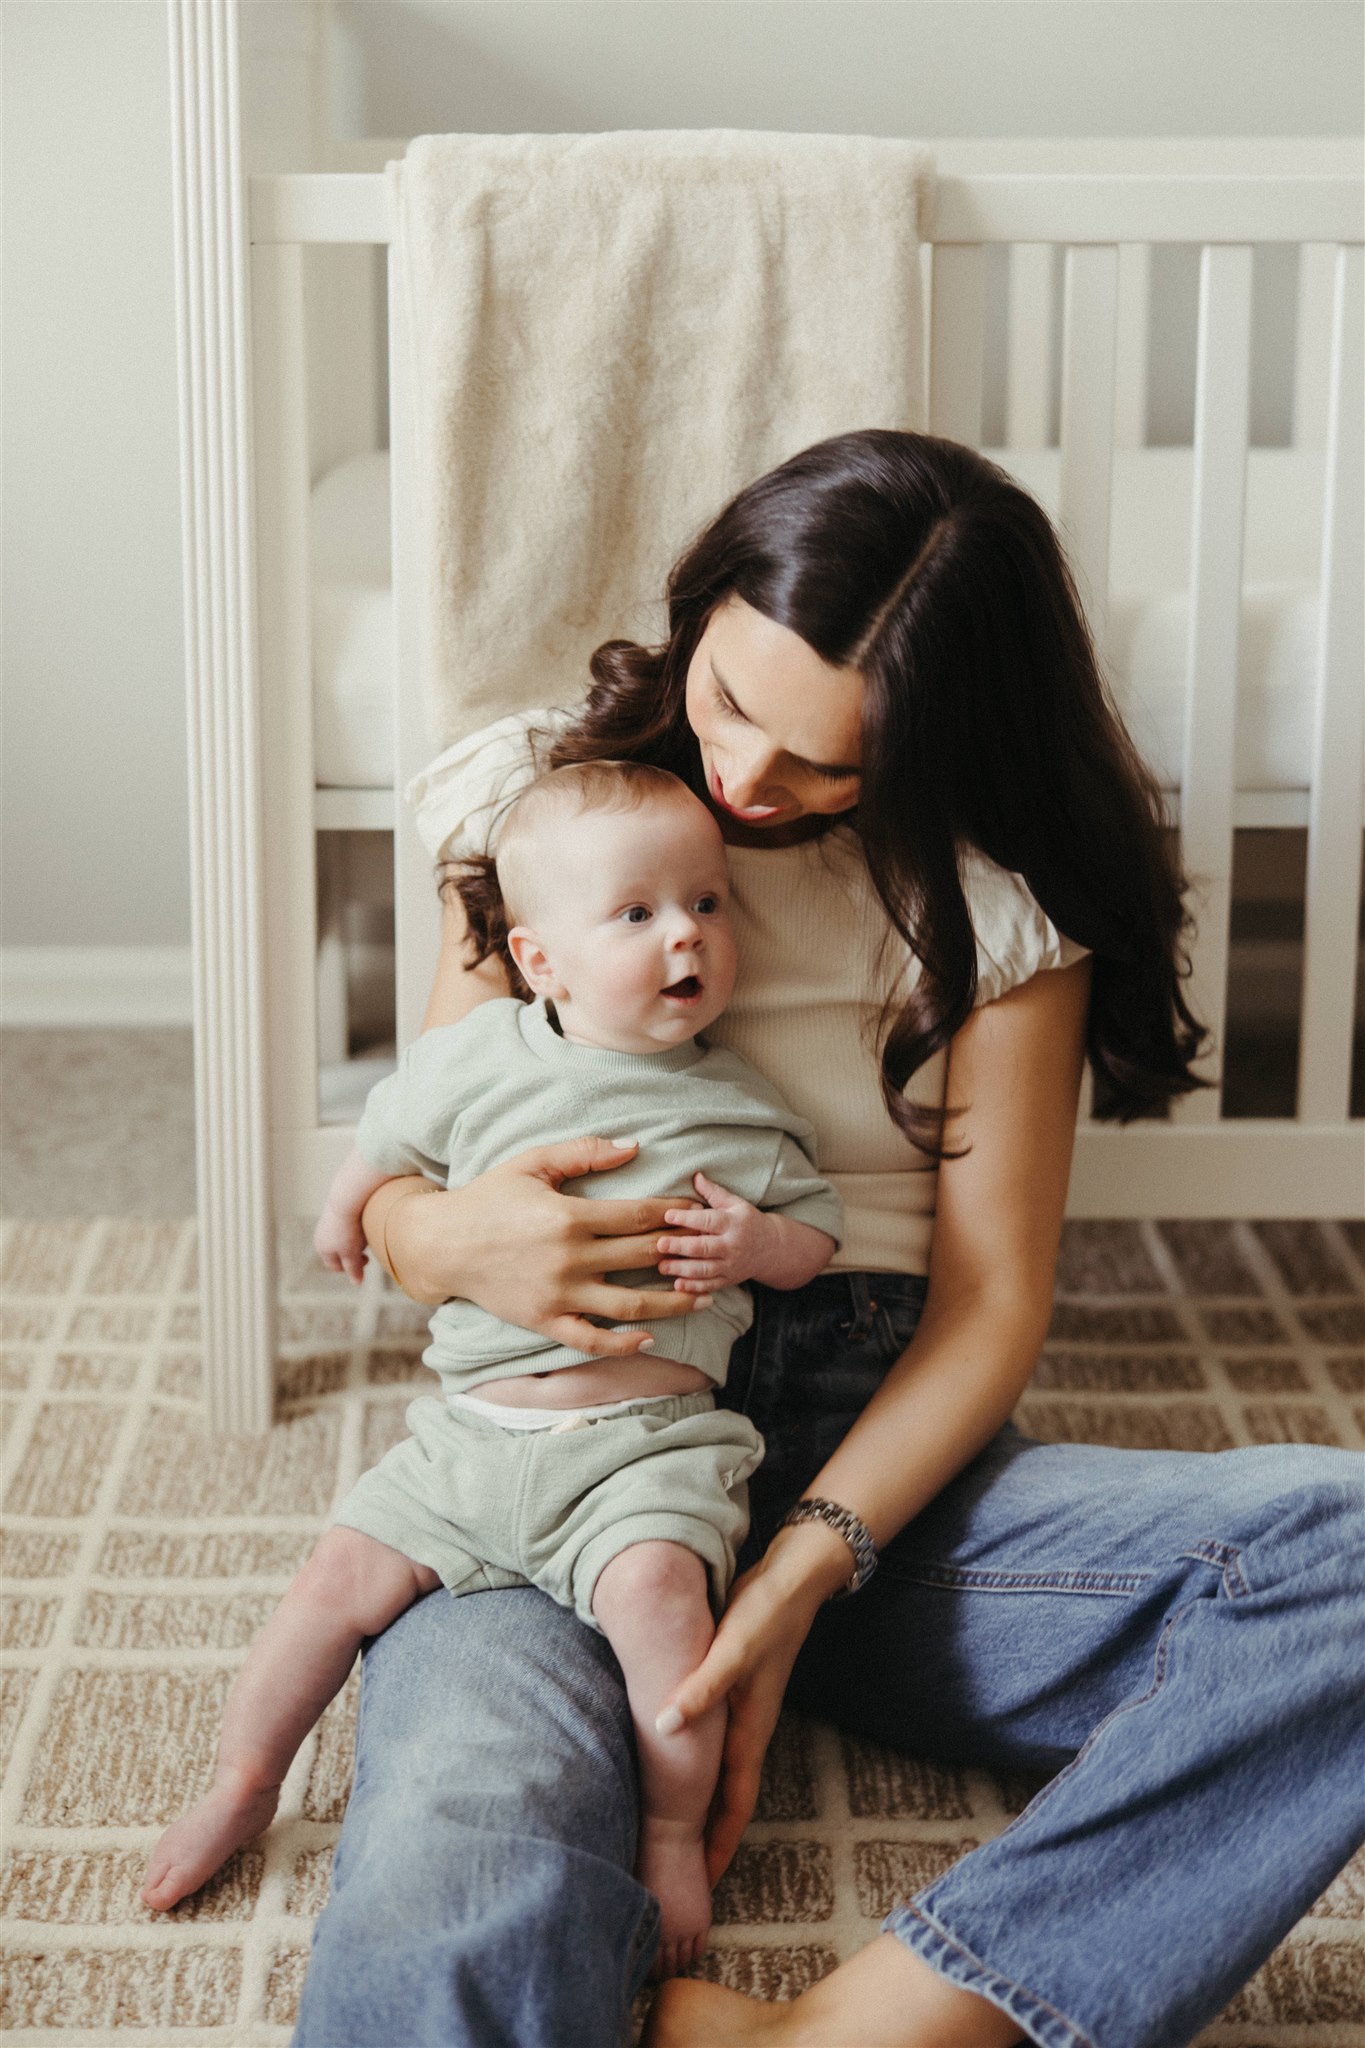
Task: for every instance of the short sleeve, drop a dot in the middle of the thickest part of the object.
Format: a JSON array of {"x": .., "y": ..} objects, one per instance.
[
  {"x": 798, "y": 1191},
  {"x": 460, "y": 797},
  {"x": 1015, "y": 939},
  {"x": 383, "y": 1135},
  {"x": 409, "y": 1120}
]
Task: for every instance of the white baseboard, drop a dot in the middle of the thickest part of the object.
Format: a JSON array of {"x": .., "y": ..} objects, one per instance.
[{"x": 95, "y": 985}]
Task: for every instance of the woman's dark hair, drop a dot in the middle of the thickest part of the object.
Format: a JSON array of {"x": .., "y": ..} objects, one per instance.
[{"x": 986, "y": 720}]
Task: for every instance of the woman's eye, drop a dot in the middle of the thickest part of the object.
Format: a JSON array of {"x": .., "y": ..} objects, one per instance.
[
  {"x": 637, "y": 914},
  {"x": 835, "y": 775}
]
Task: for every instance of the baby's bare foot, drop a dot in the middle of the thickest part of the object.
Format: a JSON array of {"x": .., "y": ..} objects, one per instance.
[
  {"x": 672, "y": 1863},
  {"x": 199, "y": 1843}
]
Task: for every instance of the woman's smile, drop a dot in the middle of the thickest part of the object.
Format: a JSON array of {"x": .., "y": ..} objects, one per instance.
[
  {"x": 779, "y": 728},
  {"x": 752, "y": 814}
]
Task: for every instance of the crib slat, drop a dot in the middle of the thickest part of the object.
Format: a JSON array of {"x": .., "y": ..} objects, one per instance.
[
  {"x": 415, "y": 907},
  {"x": 1085, "y": 484},
  {"x": 282, "y": 582},
  {"x": 957, "y": 323},
  {"x": 1332, "y": 892},
  {"x": 1222, "y": 387},
  {"x": 1313, "y": 343},
  {"x": 1030, "y": 359},
  {"x": 1130, "y": 371}
]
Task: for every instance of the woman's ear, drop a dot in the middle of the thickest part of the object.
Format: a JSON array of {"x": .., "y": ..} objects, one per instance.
[{"x": 533, "y": 963}]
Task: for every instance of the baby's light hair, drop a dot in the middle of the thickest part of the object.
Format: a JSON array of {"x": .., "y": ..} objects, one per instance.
[{"x": 570, "y": 792}]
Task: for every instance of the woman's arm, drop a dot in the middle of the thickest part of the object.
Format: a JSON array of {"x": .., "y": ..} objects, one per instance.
[
  {"x": 459, "y": 986},
  {"x": 1015, "y": 1067}
]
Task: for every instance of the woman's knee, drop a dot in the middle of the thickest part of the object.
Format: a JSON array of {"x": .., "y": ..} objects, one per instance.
[
  {"x": 1296, "y": 1510},
  {"x": 497, "y": 1712}
]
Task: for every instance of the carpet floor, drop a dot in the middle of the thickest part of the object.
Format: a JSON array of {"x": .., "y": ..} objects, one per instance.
[{"x": 141, "y": 1557}]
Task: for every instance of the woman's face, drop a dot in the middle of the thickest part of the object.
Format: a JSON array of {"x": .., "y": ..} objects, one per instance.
[{"x": 780, "y": 730}]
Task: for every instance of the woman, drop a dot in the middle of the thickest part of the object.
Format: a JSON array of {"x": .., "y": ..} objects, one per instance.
[{"x": 878, "y": 676}]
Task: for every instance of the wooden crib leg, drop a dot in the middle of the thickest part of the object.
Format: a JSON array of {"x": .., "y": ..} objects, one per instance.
[{"x": 236, "y": 1225}]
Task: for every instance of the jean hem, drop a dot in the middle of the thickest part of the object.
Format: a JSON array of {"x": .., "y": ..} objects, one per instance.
[{"x": 952, "y": 1960}]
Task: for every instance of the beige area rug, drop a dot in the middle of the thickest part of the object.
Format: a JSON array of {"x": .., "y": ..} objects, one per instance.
[{"x": 141, "y": 1556}]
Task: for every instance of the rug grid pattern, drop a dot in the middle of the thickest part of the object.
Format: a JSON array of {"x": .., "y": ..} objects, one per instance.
[{"x": 141, "y": 1557}]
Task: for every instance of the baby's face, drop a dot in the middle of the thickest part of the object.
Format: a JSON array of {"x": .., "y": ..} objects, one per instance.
[{"x": 634, "y": 924}]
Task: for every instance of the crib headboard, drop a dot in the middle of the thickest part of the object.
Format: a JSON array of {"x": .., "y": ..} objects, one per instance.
[
  {"x": 1081, "y": 219},
  {"x": 1099, "y": 223}
]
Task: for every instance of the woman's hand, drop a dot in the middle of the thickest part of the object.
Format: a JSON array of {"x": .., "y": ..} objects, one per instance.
[
  {"x": 768, "y": 1618},
  {"x": 514, "y": 1244}
]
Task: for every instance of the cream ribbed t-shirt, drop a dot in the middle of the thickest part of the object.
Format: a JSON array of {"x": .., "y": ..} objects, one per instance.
[{"x": 816, "y": 959}]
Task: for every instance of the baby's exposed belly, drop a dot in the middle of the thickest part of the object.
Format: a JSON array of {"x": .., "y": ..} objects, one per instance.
[{"x": 598, "y": 1379}]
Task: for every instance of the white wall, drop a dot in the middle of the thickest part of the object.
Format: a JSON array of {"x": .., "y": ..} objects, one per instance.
[
  {"x": 94, "y": 757},
  {"x": 94, "y": 797},
  {"x": 877, "y": 67}
]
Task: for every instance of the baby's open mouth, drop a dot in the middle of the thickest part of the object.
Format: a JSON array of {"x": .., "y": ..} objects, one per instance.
[{"x": 685, "y": 991}]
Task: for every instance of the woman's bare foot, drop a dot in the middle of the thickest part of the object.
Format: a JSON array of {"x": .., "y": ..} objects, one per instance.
[
  {"x": 690, "y": 2014},
  {"x": 672, "y": 1864},
  {"x": 201, "y": 1841},
  {"x": 884, "y": 1997}
]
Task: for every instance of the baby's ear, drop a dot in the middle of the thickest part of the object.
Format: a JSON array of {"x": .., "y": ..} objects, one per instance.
[{"x": 533, "y": 962}]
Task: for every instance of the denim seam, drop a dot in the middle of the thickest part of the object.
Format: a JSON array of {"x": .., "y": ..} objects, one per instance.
[
  {"x": 1225, "y": 1558},
  {"x": 1046, "y": 1792},
  {"x": 1111, "y": 1585},
  {"x": 1042, "y": 1797},
  {"x": 1015, "y": 1991}
]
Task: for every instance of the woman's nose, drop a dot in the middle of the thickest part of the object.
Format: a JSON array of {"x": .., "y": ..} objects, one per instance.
[{"x": 746, "y": 783}]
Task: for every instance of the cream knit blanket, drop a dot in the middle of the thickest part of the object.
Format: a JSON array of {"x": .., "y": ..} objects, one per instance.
[{"x": 610, "y": 334}]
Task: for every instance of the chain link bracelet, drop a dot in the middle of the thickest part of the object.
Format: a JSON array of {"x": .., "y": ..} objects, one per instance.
[{"x": 845, "y": 1523}]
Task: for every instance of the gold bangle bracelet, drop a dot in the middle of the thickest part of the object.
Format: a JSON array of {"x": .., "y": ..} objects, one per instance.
[{"x": 394, "y": 1274}]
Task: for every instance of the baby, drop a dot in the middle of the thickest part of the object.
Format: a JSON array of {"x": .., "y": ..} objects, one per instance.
[{"x": 628, "y": 1509}]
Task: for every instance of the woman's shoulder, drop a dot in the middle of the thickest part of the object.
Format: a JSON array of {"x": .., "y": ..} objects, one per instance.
[
  {"x": 1015, "y": 938},
  {"x": 459, "y": 798}
]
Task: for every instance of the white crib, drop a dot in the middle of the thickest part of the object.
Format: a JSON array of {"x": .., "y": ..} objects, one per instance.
[{"x": 257, "y": 802}]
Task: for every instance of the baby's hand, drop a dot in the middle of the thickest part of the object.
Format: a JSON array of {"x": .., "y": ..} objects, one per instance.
[
  {"x": 725, "y": 1242},
  {"x": 339, "y": 1242}
]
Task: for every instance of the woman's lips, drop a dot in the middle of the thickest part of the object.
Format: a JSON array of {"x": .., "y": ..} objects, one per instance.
[{"x": 755, "y": 814}]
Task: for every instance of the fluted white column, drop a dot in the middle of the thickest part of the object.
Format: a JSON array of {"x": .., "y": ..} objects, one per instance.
[{"x": 235, "y": 1228}]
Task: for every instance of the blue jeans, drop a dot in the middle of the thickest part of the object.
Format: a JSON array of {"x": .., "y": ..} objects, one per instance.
[{"x": 1180, "y": 1636}]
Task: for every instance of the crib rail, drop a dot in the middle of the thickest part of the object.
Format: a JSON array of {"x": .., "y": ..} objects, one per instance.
[{"x": 1099, "y": 223}]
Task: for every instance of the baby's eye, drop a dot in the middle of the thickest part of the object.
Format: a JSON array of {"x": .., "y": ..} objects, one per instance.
[
  {"x": 638, "y": 913},
  {"x": 707, "y": 906}
]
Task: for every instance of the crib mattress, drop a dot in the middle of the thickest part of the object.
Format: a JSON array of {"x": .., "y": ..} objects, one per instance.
[{"x": 352, "y": 611}]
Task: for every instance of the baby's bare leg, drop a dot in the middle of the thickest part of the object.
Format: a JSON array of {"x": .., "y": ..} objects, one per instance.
[
  {"x": 652, "y": 1604},
  {"x": 350, "y": 1588}
]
